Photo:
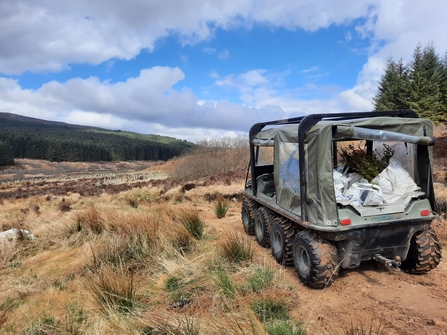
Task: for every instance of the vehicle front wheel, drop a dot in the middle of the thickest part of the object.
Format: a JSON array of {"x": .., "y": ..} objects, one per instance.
[
  {"x": 281, "y": 239},
  {"x": 262, "y": 227},
  {"x": 424, "y": 253},
  {"x": 247, "y": 219},
  {"x": 315, "y": 259}
]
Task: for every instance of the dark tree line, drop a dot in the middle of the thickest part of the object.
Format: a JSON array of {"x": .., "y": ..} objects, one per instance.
[
  {"x": 81, "y": 144},
  {"x": 420, "y": 85}
]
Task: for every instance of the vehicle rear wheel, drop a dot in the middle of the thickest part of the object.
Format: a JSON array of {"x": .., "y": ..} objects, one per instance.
[
  {"x": 281, "y": 240},
  {"x": 247, "y": 216},
  {"x": 262, "y": 227},
  {"x": 424, "y": 253},
  {"x": 315, "y": 259}
]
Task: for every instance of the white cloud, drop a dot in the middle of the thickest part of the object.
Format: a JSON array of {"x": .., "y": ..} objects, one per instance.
[
  {"x": 49, "y": 35},
  {"x": 224, "y": 54},
  {"x": 146, "y": 104},
  {"x": 311, "y": 69}
]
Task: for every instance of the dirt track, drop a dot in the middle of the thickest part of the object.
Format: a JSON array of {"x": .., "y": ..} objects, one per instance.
[{"x": 369, "y": 295}]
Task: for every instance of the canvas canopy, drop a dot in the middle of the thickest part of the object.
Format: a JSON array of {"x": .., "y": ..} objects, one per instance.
[{"x": 318, "y": 151}]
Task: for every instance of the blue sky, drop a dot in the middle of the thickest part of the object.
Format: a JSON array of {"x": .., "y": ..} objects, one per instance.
[{"x": 193, "y": 69}]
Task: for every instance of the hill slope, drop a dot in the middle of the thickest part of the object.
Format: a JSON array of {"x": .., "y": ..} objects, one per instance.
[{"x": 58, "y": 141}]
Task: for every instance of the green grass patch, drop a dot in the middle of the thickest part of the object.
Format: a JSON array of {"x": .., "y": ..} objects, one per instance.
[
  {"x": 284, "y": 328},
  {"x": 191, "y": 220},
  {"x": 221, "y": 208},
  {"x": 225, "y": 284},
  {"x": 268, "y": 309},
  {"x": 261, "y": 279},
  {"x": 237, "y": 249}
]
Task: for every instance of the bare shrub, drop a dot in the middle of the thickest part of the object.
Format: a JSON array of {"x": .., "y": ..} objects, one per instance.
[
  {"x": 213, "y": 157},
  {"x": 64, "y": 206}
]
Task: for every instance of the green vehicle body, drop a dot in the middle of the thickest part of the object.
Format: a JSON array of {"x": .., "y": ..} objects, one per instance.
[{"x": 290, "y": 204}]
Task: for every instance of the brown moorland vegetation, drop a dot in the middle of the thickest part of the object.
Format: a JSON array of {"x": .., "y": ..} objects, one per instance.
[{"x": 140, "y": 252}]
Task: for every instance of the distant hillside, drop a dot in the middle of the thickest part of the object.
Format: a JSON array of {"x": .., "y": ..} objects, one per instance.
[{"x": 25, "y": 137}]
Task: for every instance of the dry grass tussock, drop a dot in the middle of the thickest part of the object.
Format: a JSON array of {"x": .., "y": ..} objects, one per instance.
[
  {"x": 107, "y": 265},
  {"x": 144, "y": 261}
]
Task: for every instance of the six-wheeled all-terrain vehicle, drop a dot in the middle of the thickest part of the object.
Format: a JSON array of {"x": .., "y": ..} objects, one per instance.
[{"x": 306, "y": 198}]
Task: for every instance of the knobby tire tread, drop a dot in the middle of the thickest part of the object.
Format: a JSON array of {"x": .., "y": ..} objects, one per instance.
[
  {"x": 424, "y": 254},
  {"x": 263, "y": 214},
  {"x": 250, "y": 206},
  {"x": 324, "y": 267},
  {"x": 288, "y": 231}
]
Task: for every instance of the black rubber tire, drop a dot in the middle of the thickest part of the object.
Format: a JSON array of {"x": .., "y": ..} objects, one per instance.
[
  {"x": 315, "y": 259},
  {"x": 281, "y": 240},
  {"x": 262, "y": 224},
  {"x": 247, "y": 214},
  {"x": 424, "y": 253}
]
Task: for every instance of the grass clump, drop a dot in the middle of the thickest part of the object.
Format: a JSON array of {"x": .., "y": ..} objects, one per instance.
[
  {"x": 221, "y": 208},
  {"x": 182, "y": 240},
  {"x": 137, "y": 197},
  {"x": 225, "y": 284},
  {"x": 131, "y": 239},
  {"x": 274, "y": 315},
  {"x": 115, "y": 289},
  {"x": 172, "y": 284},
  {"x": 75, "y": 318},
  {"x": 46, "y": 325},
  {"x": 89, "y": 219},
  {"x": 186, "y": 325},
  {"x": 237, "y": 249},
  {"x": 261, "y": 279},
  {"x": 284, "y": 328},
  {"x": 191, "y": 220},
  {"x": 268, "y": 309}
]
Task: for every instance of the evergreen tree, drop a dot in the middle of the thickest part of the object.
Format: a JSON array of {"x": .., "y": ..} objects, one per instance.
[
  {"x": 6, "y": 154},
  {"x": 393, "y": 87},
  {"x": 443, "y": 87},
  {"x": 424, "y": 83}
]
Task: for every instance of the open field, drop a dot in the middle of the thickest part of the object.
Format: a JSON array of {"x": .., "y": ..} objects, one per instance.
[{"x": 126, "y": 250}]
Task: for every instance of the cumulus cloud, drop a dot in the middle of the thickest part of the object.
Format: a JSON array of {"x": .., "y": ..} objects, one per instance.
[
  {"x": 50, "y": 35},
  {"x": 144, "y": 104}
]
